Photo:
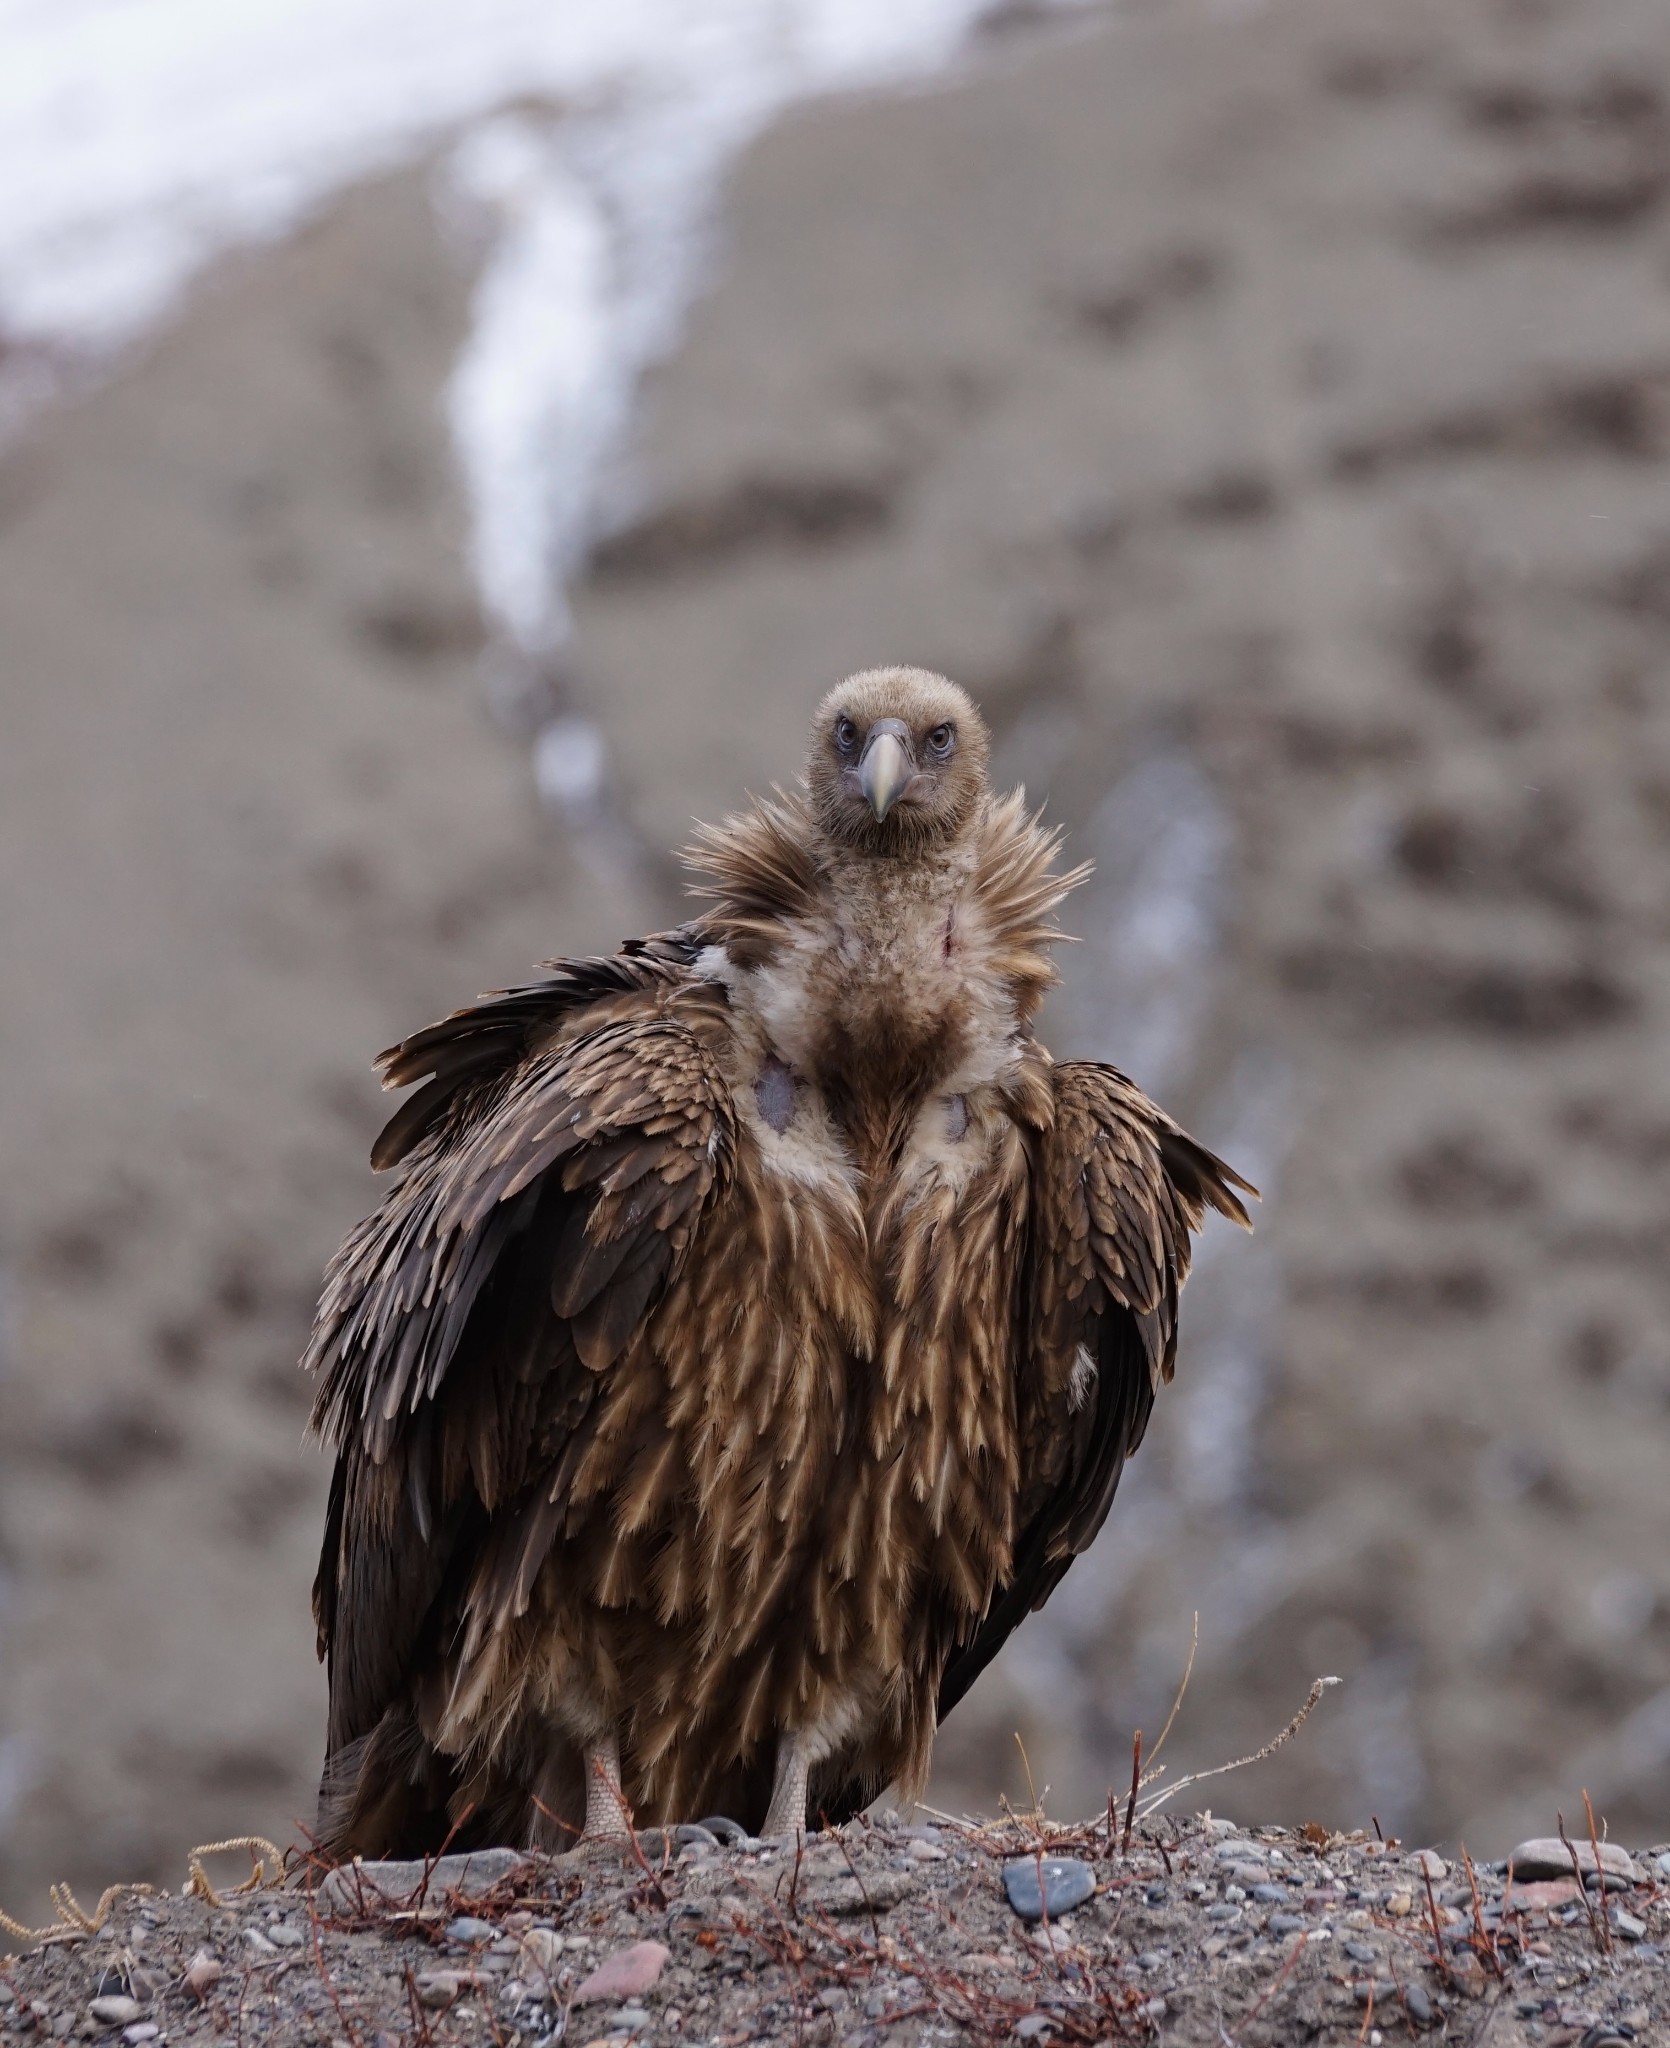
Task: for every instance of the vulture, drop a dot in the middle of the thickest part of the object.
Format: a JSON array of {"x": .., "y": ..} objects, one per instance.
[{"x": 753, "y": 1332}]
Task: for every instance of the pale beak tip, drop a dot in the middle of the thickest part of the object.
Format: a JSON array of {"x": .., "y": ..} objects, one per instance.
[{"x": 883, "y": 773}]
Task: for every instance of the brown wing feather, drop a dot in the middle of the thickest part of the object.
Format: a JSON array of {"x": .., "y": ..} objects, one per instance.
[
  {"x": 554, "y": 1172},
  {"x": 1117, "y": 1189}
]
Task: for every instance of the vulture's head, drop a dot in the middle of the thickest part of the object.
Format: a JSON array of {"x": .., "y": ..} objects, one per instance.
[{"x": 897, "y": 762}]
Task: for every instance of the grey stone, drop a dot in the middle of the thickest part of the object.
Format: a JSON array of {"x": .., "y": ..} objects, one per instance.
[
  {"x": 1066, "y": 1882},
  {"x": 1033, "y": 2027},
  {"x": 632, "y": 2017},
  {"x": 1430, "y": 1864},
  {"x": 1247, "y": 1874},
  {"x": 1270, "y": 1894},
  {"x": 283, "y": 1935},
  {"x": 1237, "y": 1850},
  {"x": 1418, "y": 2004},
  {"x": 692, "y": 1834},
  {"x": 468, "y": 1929},
  {"x": 1360, "y": 1952},
  {"x": 1286, "y": 1923},
  {"x": 1547, "y": 1856},
  {"x": 1223, "y": 1912},
  {"x": 1151, "y": 1959},
  {"x": 141, "y": 2031},
  {"x": 1627, "y": 1925},
  {"x": 437, "y": 1989},
  {"x": 114, "y": 2010},
  {"x": 1662, "y": 1866},
  {"x": 846, "y": 1897},
  {"x": 1155, "y": 1895},
  {"x": 731, "y": 1834},
  {"x": 356, "y": 1887}
]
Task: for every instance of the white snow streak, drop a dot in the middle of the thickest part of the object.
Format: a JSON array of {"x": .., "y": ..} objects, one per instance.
[{"x": 141, "y": 138}]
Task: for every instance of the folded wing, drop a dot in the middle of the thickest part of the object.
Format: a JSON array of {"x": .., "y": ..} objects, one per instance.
[
  {"x": 1117, "y": 1190},
  {"x": 554, "y": 1171}
]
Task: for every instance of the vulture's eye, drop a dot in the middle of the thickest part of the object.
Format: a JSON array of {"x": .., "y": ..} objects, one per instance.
[
  {"x": 846, "y": 735},
  {"x": 941, "y": 740}
]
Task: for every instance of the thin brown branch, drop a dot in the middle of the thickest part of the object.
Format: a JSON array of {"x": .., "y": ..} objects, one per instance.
[{"x": 1159, "y": 1799}]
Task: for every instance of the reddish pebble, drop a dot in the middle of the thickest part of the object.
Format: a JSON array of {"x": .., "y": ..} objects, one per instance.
[
  {"x": 628, "y": 1973},
  {"x": 1541, "y": 1898},
  {"x": 203, "y": 1973}
]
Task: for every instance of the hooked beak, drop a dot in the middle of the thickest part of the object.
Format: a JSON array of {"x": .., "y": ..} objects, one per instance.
[{"x": 885, "y": 769}]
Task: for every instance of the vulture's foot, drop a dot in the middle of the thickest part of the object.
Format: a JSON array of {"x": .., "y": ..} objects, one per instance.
[
  {"x": 608, "y": 1817},
  {"x": 785, "y": 1817}
]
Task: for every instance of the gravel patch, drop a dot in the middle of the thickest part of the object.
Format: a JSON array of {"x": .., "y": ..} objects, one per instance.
[{"x": 875, "y": 1936}]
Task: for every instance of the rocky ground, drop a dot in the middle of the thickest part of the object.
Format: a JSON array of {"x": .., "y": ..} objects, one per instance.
[
  {"x": 1184, "y": 1932},
  {"x": 1266, "y": 412}
]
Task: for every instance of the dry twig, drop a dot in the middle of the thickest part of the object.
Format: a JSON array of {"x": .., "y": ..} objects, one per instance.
[{"x": 1159, "y": 1799}]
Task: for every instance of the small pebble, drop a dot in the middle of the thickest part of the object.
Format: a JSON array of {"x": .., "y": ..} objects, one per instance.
[
  {"x": 1400, "y": 1905},
  {"x": 115, "y": 2011},
  {"x": 1419, "y": 2005},
  {"x": 1238, "y": 1851},
  {"x": 1627, "y": 1925},
  {"x": 1270, "y": 1894},
  {"x": 1151, "y": 1959},
  {"x": 1223, "y": 1913},
  {"x": 142, "y": 2030},
  {"x": 1033, "y": 2027},
  {"x": 203, "y": 1972},
  {"x": 467, "y": 1929},
  {"x": 1360, "y": 1952},
  {"x": 538, "y": 1953},
  {"x": 628, "y": 1973},
  {"x": 1155, "y": 1895},
  {"x": 924, "y": 1852},
  {"x": 437, "y": 1989},
  {"x": 1542, "y": 1897},
  {"x": 726, "y": 1831},
  {"x": 1662, "y": 1866},
  {"x": 283, "y": 1935},
  {"x": 1067, "y": 1883},
  {"x": 1548, "y": 1856},
  {"x": 1381, "y": 1991},
  {"x": 1430, "y": 1864},
  {"x": 1285, "y": 1923},
  {"x": 632, "y": 2017},
  {"x": 257, "y": 1943}
]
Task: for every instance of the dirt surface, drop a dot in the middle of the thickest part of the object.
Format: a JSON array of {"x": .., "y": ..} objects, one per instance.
[
  {"x": 1268, "y": 416},
  {"x": 1195, "y": 1934}
]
